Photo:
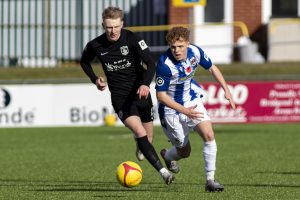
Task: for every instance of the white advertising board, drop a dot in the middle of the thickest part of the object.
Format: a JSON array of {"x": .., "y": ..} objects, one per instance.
[{"x": 55, "y": 105}]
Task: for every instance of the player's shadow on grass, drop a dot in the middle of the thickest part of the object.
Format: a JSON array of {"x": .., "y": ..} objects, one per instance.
[
  {"x": 110, "y": 187},
  {"x": 264, "y": 185},
  {"x": 49, "y": 182},
  {"x": 84, "y": 186},
  {"x": 271, "y": 185},
  {"x": 98, "y": 189},
  {"x": 282, "y": 173}
]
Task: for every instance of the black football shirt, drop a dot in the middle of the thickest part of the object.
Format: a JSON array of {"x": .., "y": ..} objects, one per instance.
[{"x": 122, "y": 62}]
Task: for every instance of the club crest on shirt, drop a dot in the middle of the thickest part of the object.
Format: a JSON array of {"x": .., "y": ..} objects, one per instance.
[
  {"x": 124, "y": 50},
  {"x": 193, "y": 61}
]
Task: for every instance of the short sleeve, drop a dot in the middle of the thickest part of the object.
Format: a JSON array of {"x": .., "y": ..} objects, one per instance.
[
  {"x": 205, "y": 61},
  {"x": 163, "y": 76}
]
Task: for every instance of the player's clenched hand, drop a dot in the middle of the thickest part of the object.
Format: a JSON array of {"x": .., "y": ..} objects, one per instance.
[
  {"x": 192, "y": 113},
  {"x": 143, "y": 91},
  {"x": 101, "y": 84}
]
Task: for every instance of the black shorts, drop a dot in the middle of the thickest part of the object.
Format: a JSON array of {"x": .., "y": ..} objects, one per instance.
[{"x": 142, "y": 108}]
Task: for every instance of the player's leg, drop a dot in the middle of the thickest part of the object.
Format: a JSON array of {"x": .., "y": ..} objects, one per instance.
[
  {"x": 135, "y": 125},
  {"x": 205, "y": 130},
  {"x": 138, "y": 153},
  {"x": 174, "y": 154},
  {"x": 177, "y": 153},
  {"x": 149, "y": 130},
  {"x": 177, "y": 132},
  {"x": 148, "y": 126},
  {"x": 145, "y": 112}
]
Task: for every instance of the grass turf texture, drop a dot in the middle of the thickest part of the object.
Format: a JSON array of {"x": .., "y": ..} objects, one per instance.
[{"x": 254, "y": 162}]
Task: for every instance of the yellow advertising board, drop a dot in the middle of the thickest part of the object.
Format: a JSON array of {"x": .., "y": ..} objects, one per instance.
[{"x": 188, "y": 3}]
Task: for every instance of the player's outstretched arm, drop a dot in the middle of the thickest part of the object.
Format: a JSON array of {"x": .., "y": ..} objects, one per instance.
[{"x": 219, "y": 77}]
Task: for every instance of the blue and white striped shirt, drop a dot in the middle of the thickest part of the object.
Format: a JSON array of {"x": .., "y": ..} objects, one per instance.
[{"x": 176, "y": 77}]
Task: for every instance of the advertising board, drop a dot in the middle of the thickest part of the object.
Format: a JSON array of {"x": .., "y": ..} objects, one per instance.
[{"x": 84, "y": 105}]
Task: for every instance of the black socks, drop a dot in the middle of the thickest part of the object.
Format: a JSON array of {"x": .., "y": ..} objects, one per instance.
[{"x": 149, "y": 152}]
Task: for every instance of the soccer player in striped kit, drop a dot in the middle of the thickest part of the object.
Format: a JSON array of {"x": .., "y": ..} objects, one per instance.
[{"x": 180, "y": 105}]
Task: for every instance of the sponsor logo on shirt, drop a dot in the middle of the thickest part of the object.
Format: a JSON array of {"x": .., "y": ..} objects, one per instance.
[
  {"x": 182, "y": 79},
  {"x": 143, "y": 44},
  {"x": 118, "y": 65},
  {"x": 159, "y": 81}
]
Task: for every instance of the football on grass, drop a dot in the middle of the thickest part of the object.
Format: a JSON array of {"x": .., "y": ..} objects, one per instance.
[{"x": 129, "y": 174}]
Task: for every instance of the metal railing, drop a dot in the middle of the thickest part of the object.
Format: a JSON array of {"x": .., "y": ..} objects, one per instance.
[
  {"x": 37, "y": 33},
  {"x": 42, "y": 32}
]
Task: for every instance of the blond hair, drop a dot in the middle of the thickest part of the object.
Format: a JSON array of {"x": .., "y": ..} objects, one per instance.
[{"x": 112, "y": 13}]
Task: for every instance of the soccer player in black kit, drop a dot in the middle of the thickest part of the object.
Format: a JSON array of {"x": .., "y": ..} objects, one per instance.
[{"x": 122, "y": 54}]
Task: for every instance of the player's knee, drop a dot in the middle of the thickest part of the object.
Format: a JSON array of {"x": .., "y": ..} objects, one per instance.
[
  {"x": 137, "y": 129},
  {"x": 150, "y": 137},
  {"x": 209, "y": 135}
]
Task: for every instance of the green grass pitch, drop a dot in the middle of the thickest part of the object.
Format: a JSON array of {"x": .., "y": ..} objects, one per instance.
[{"x": 258, "y": 161}]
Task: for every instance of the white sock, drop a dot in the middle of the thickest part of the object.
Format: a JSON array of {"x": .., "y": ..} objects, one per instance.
[
  {"x": 210, "y": 155},
  {"x": 163, "y": 170},
  {"x": 172, "y": 154}
]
